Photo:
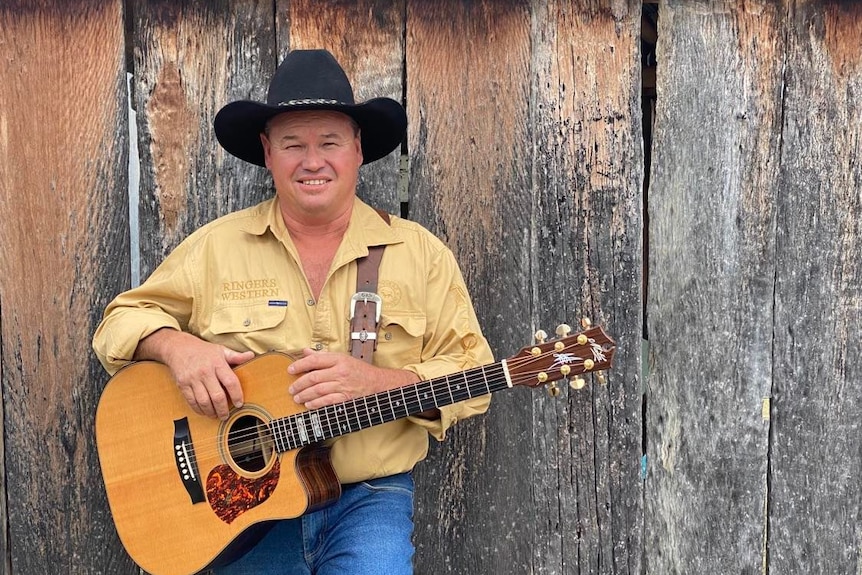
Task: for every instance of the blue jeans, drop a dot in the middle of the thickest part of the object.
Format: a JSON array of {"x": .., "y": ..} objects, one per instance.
[{"x": 368, "y": 531}]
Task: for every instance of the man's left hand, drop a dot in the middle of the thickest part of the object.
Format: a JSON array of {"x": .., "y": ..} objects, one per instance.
[{"x": 326, "y": 378}]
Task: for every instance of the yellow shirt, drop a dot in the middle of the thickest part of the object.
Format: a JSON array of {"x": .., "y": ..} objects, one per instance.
[{"x": 237, "y": 281}]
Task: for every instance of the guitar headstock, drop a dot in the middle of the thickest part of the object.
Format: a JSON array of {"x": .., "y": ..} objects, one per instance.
[{"x": 568, "y": 356}]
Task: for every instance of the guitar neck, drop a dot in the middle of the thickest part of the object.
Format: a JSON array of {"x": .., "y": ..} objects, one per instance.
[{"x": 302, "y": 429}]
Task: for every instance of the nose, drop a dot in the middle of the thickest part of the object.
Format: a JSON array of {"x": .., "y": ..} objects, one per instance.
[{"x": 313, "y": 159}]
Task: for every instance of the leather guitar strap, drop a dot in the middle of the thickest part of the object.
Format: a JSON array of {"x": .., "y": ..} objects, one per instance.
[{"x": 365, "y": 305}]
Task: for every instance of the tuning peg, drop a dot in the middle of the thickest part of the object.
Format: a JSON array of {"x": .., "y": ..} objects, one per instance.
[
  {"x": 541, "y": 336},
  {"x": 577, "y": 383},
  {"x": 600, "y": 375},
  {"x": 563, "y": 330},
  {"x": 553, "y": 390},
  {"x": 586, "y": 323}
]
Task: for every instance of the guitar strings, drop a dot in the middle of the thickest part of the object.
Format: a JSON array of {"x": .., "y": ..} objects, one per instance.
[
  {"x": 437, "y": 384},
  {"x": 353, "y": 413}
]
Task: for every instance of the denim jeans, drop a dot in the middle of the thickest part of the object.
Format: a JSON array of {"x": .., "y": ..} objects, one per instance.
[{"x": 368, "y": 531}]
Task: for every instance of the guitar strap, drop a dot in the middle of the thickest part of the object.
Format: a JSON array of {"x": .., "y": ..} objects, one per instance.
[{"x": 366, "y": 304}]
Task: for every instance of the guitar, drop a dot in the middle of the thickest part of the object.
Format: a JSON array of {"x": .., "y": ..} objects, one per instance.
[{"x": 188, "y": 492}]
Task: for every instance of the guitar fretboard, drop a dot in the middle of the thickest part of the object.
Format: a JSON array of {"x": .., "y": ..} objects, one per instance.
[{"x": 302, "y": 429}]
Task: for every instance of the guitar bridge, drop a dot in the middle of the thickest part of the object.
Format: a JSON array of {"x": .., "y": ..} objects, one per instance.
[{"x": 184, "y": 457}]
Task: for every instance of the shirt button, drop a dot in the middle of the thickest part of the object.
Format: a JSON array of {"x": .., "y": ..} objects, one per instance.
[
  {"x": 310, "y": 302},
  {"x": 318, "y": 346},
  {"x": 388, "y": 336},
  {"x": 247, "y": 322}
]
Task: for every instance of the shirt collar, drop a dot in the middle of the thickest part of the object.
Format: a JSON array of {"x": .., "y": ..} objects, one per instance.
[{"x": 366, "y": 228}]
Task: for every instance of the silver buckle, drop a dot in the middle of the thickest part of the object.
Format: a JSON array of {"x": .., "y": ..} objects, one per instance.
[{"x": 365, "y": 297}]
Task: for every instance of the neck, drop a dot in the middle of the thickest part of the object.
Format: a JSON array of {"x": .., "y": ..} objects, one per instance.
[{"x": 316, "y": 226}]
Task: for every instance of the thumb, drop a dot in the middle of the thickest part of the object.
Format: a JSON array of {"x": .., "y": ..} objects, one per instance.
[{"x": 237, "y": 357}]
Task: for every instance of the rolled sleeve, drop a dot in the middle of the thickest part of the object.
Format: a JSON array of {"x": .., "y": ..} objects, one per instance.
[
  {"x": 163, "y": 301},
  {"x": 455, "y": 343}
]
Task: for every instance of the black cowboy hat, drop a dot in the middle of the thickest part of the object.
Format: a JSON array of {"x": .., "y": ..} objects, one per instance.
[{"x": 310, "y": 80}]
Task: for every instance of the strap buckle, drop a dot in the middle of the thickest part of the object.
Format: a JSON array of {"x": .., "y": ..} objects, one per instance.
[{"x": 365, "y": 297}]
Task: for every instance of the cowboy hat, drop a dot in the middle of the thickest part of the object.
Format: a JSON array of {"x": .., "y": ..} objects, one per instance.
[{"x": 310, "y": 80}]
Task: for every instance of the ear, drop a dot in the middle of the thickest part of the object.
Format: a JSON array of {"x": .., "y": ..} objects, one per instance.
[
  {"x": 358, "y": 140},
  {"x": 267, "y": 148}
]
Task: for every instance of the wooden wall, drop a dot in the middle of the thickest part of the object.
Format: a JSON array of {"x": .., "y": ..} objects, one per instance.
[{"x": 735, "y": 448}]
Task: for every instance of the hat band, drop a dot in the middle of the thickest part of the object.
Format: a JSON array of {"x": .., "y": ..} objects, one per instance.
[{"x": 308, "y": 101}]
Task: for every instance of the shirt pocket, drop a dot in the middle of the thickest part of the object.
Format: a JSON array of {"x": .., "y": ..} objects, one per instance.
[
  {"x": 259, "y": 328},
  {"x": 401, "y": 339}
]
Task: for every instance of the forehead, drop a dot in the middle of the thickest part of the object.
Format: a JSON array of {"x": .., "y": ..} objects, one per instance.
[{"x": 322, "y": 121}]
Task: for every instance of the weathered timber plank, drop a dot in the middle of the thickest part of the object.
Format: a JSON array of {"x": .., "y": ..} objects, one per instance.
[
  {"x": 191, "y": 58},
  {"x": 586, "y": 257},
  {"x": 470, "y": 164},
  {"x": 815, "y": 502},
  {"x": 711, "y": 285},
  {"x": 64, "y": 253},
  {"x": 366, "y": 37},
  {"x": 5, "y": 551}
]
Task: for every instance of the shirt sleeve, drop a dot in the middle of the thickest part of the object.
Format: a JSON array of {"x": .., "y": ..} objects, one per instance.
[
  {"x": 163, "y": 301},
  {"x": 454, "y": 342}
]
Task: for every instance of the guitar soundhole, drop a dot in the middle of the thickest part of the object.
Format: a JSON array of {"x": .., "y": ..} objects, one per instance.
[{"x": 250, "y": 444}]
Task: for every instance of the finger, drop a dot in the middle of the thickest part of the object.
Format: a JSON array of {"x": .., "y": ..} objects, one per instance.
[
  {"x": 310, "y": 361},
  {"x": 202, "y": 400},
  {"x": 230, "y": 384},
  {"x": 236, "y": 357},
  {"x": 189, "y": 395}
]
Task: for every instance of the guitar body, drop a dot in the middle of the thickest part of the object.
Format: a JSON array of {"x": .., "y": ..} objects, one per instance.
[{"x": 189, "y": 492}]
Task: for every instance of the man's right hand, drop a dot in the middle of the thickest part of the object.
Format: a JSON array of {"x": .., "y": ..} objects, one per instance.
[{"x": 203, "y": 370}]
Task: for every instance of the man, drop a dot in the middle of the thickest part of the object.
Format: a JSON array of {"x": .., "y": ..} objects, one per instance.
[{"x": 282, "y": 276}]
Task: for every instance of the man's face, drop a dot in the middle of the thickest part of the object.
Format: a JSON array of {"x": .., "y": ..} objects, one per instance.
[{"x": 314, "y": 157}]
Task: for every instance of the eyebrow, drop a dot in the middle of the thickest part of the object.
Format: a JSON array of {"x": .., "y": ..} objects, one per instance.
[{"x": 323, "y": 136}]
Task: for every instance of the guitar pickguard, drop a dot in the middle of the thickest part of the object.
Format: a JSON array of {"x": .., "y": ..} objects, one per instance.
[{"x": 230, "y": 494}]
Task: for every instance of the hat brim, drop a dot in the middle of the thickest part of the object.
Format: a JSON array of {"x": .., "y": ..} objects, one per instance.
[{"x": 238, "y": 125}]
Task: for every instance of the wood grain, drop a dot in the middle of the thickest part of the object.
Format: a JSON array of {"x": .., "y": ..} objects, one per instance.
[
  {"x": 190, "y": 60},
  {"x": 469, "y": 152},
  {"x": 712, "y": 210},
  {"x": 527, "y": 162},
  {"x": 815, "y": 502},
  {"x": 587, "y": 242},
  {"x": 63, "y": 252}
]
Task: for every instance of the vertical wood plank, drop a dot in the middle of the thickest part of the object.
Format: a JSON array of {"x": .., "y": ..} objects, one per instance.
[
  {"x": 64, "y": 253},
  {"x": 515, "y": 150},
  {"x": 469, "y": 146},
  {"x": 587, "y": 256},
  {"x": 815, "y": 504},
  {"x": 366, "y": 37},
  {"x": 5, "y": 550},
  {"x": 711, "y": 284},
  {"x": 191, "y": 58}
]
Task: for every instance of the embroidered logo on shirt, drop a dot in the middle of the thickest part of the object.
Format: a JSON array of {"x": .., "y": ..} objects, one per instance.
[
  {"x": 389, "y": 291},
  {"x": 249, "y": 289}
]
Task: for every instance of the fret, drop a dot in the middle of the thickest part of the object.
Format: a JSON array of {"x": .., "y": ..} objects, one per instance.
[
  {"x": 376, "y": 411},
  {"x": 367, "y": 414},
  {"x": 425, "y": 394},
  {"x": 391, "y": 405},
  {"x": 401, "y": 404},
  {"x": 276, "y": 437},
  {"x": 449, "y": 390},
  {"x": 485, "y": 380},
  {"x": 461, "y": 388},
  {"x": 288, "y": 437},
  {"x": 341, "y": 419},
  {"x": 353, "y": 414},
  {"x": 331, "y": 421}
]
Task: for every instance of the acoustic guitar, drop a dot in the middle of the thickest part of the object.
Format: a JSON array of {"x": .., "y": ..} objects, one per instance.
[{"x": 189, "y": 492}]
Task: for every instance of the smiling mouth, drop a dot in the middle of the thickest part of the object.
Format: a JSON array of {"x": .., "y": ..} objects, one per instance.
[{"x": 314, "y": 182}]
